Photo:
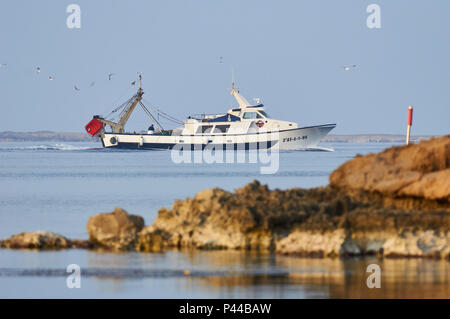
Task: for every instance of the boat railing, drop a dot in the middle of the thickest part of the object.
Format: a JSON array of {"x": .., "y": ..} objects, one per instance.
[{"x": 205, "y": 116}]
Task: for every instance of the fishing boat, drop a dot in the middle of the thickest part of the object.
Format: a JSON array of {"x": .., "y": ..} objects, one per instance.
[{"x": 244, "y": 127}]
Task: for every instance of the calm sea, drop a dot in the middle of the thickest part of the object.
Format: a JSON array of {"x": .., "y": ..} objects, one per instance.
[{"x": 57, "y": 187}]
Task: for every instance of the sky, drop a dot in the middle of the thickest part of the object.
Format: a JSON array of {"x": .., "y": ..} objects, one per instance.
[{"x": 288, "y": 53}]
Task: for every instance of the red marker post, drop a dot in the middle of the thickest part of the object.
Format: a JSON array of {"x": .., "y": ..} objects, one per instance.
[{"x": 410, "y": 117}]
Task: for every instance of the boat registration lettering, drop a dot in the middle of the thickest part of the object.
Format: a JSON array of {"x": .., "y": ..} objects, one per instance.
[{"x": 295, "y": 138}]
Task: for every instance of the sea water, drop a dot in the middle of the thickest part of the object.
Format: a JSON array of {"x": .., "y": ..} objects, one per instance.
[{"x": 57, "y": 187}]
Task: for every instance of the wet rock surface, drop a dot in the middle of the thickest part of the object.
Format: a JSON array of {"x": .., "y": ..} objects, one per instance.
[
  {"x": 117, "y": 230},
  {"x": 42, "y": 240}
]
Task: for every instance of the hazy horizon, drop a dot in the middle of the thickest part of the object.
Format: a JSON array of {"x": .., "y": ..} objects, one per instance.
[{"x": 288, "y": 53}]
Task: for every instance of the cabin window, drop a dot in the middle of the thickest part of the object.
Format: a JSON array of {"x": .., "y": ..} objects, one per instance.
[
  {"x": 265, "y": 114},
  {"x": 252, "y": 115},
  {"x": 221, "y": 128},
  {"x": 204, "y": 129}
]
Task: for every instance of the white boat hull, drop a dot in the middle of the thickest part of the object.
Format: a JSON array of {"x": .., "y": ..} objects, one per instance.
[{"x": 303, "y": 138}]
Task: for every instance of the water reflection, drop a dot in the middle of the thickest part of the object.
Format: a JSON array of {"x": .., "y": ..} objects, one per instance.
[
  {"x": 217, "y": 274},
  {"x": 252, "y": 275}
]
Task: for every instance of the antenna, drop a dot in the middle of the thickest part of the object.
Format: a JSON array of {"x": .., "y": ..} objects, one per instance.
[
  {"x": 140, "y": 80},
  {"x": 233, "y": 84}
]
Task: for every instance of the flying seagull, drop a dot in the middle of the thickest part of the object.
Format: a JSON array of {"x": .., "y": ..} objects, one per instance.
[
  {"x": 92, "y": 84},
  {"x": 349, "y": 67},
  {"x": 110, "y": 76},
  {"x": 38, "y": 70},
  {"x": 133, "y": 83},
  {"x": 220, "y": 60},
  {"x": 3, "y": 64},
  {"x": 51, "y": 78},
  {"x": 76, "y": 88}
]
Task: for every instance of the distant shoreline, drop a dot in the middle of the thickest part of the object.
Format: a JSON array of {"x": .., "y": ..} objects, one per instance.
[
  {"x": 49, "y": 136},
  {"x": 373, "y": 138},
  {"x": 44, "y": 136}
]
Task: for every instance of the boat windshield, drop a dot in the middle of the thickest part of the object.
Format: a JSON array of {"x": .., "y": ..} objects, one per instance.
[
  {"x": 252, "y": 115},
  {"x": 265, "y": 114}
]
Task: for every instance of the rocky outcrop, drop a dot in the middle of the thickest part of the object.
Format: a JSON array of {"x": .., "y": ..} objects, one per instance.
[
  {"x": 314, "y": 222},
  {"x": 42, "y": 240},
  {"x": 394, "y": 204},
  {"x": 117, "y": 230},
  {"x": 416, "y": 170}
]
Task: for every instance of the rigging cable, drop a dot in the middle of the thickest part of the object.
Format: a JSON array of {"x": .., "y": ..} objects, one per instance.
[
  {"x": 165, "y": 115},
  {"x": 151, "y": 116},
  {"x": 124, "y": 107},
  {"x": 121, "y": 106},
  {"x": 127, "y": 107},
  {"x": 117, "y": 100}
]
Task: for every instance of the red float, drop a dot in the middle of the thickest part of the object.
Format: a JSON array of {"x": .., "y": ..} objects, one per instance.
[{"x": 94, "y": 127}]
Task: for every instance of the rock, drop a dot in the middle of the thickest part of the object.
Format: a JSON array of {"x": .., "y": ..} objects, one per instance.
[
  {"x": 422, "y": 243},
  {"x": 310, "y": 243},
  {"x": 216, "y": 219},
  {"x": 152, "y": 240},
  {"x": 42, "y": 240},
  {"x": 315, "y": 222},
  {"x": 433, "y": 186},
  {"x": 416, "y": 170},
  {"x": 117, "y": 230},
  {"x": 81, "y": 244}
]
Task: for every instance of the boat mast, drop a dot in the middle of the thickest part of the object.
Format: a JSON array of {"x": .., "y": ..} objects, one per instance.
[
  {"x": 242, "y": 101},
  {"x": 127, "y": 112},
  {"x": 119, "y": 127}
]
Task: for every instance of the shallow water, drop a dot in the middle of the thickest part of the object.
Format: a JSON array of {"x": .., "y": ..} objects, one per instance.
[{"x": 57, "y": 187}]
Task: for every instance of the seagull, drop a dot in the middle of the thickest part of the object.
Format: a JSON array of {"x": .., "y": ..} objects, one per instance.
[
  {"x": 51, "y": 78},
  {"x": 92, "y": 84},
  {"x": 76, "y": 88},
  {"x": 348, "y": 68},
  {"x": 3, "y": 64},
  {"x": 38, "y": 70},
  {"x": 220, "y": 60},
  {"x": 133, "y": 83},
  {"x": 110, "y": 76}
]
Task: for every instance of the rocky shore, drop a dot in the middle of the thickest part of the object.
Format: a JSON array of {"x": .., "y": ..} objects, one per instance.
[{"x": 395, "y": 204}]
